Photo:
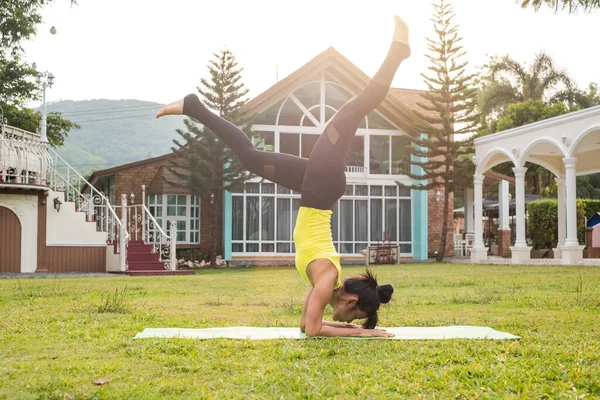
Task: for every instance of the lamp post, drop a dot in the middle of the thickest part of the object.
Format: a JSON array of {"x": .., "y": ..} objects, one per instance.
[
  {"x": 46, "y": 80},
  {"x": 2, "y": 122}
]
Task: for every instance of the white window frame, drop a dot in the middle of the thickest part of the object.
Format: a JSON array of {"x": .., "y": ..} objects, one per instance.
[{"x": 164, "y": 218}]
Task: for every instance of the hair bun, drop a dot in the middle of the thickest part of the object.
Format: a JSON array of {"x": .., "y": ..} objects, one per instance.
[{"x": 384, "y": 293}]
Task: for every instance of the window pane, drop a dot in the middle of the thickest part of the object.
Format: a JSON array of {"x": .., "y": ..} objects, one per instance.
[
  {"x": 329, "y": 113},
  {"x": 181, "y": 226},
  {"x": 391, "y": 215},
  {"x": 181, "y": 236},
  {"x": 362, "y": 190},
  {"x": 405, "y": 221},
  {"x": 171, "y": 199},
  {"x": 181, "y": 211},
  {"x": 361, "y": 223},
  {"x": 308, "y": 142},
  {"x": 264, "y": 141},
  {"x": 252, "y": 247},
  {"x": 400, "y": 154},
  {"x": 171, "y": 211},
  {"x": 252, "y": 216},
  {"x": 159, "y": 211},
  {"x": 268, "y": 188},
  {"x": 309, "y": 95},
  {"x": 283, "y": 190},
  {"x": 376, "y": 220},
  {"x": 359, "y": 247},
  {"x": 290, "y": 114},
  {"x": 181, "y": 200},
  {"x": 347, "y": 220},
  {"x": 268, "y": 218},
  {"x": 237, "y": 247},
  {"x": 376, "y": 121},
  {"x": 289, "y": 143},
  {"x": 269, "y": 117},
  {"x": 347, "y": 248},
  {"x": 284, "y": 220},
  {"x": 283, "y": 247},
  {"x": 349, "y": 190},
  {"x": 252, "y": 188},
  {"x": 295, "y": 207},
  {"x": 390, "y": 191},
  {"x": 404, "y": 191},
  {"x": 237, "y": 203},
  {"x": 336, "y": 96},
  {"x": 151, "y": 199},
  {"x": 406, "y": 248},
  {"x": 357, "y": 152},
  {"x": 159, "y": 199},
  {"x": 268, "y": 248},
  {"x": 380, "y": 155},
  {"x": 334, "y": 222},
  {"x": 376, "y": 191}
]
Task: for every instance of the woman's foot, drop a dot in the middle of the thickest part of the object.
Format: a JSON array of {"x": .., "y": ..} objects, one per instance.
[
  {"x": 174, "y": 108},
  {"x": 401, "y": 31}
]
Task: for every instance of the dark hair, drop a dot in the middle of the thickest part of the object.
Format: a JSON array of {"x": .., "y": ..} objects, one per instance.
[{"x": 370, "y": 295}]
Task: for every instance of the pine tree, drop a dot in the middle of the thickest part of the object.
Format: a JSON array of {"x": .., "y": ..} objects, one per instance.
[
  {"x": 203, "y": 162},
  {"x": 451, "y": 101}
]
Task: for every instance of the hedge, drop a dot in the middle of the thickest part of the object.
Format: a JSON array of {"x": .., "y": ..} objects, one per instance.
[{"x": 542, "y": 224}]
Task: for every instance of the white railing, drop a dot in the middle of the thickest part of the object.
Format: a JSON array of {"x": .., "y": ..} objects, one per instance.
[
  {"x": 355, "y": 174},
  {"x": 142, "y": 226},
  {"x": 24, "y": 160},
  {"x": 351, "y": 169}
]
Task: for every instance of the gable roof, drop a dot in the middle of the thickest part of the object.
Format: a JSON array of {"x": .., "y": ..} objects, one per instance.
[{"x": 395, "y": 106}]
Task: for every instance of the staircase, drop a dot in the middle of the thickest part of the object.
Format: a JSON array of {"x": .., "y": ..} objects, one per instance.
[{"x": 143, "y": 261}]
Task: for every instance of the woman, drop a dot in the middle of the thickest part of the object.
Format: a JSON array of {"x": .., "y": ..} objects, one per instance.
[{"x": 321, "y": 181}]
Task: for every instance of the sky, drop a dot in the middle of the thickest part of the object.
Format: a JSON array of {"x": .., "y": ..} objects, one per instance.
[{"x": 158, "y": 50}]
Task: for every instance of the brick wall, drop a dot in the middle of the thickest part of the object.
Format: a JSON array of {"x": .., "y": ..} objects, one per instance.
[
  {"x": 436, "y": 213},
  {"x": 131, "y": 180}
]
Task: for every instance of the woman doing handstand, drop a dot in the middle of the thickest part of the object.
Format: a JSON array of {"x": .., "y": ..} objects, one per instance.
[{"x": 321, "y": 181}]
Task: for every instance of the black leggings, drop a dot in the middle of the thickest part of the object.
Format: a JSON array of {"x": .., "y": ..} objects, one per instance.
[{"x": 320, "y": 179}]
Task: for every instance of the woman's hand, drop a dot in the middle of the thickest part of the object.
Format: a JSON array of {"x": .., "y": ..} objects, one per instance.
[{"x": 376, "y": 333}]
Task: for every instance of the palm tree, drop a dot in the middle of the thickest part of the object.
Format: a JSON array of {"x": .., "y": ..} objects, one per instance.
[
  {"x": 507, "y": 81},
  {"x": 571, "y": 5}
]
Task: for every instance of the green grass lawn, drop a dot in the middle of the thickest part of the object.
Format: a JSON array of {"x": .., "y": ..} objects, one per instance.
[{"x": 59, "y": 334}]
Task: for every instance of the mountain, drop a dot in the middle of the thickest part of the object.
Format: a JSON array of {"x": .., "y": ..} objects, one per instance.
[{"x": 115, "y": 132}]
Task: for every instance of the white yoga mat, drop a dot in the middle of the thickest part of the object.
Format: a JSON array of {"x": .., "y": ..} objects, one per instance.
[{"x": 259, "y": 333}]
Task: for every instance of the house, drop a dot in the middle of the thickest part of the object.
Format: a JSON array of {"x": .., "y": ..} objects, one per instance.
[
  {"x": 49, "y": 224},
  {"x": 257, "y": 223}
]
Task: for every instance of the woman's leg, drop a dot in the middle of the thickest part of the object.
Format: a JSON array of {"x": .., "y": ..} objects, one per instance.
[
  {"x": 325, "y": 179},
  {"x": 284, "y": 169}
]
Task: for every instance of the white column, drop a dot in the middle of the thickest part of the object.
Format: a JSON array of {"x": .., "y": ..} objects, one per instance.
[
  {"x": 122, "y": 234},
  {"x": 571, "y": 197},
  {"x": 173, "y": 248},
  {"x": 572, "y": 252},
  {"x": 503, "y": 206},
  {"x": 520, "y": 205},
  {"x": 479, "y": 251},
  {"x": 520, "y": 252},
  {"x": 469, "y": 196},
  {"x": 143, "y": 212},
  {"x": 562, "y": 216}
]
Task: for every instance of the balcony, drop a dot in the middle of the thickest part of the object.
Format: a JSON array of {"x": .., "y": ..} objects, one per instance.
[
  {"x": 24, "y": 160},
  {"x": 356, "y": 174}
]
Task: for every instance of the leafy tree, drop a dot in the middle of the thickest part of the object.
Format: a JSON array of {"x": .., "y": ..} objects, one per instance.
[
  {"x": 560, "y": 5},
  {"x": 451, "y": 101},
  {"x": 203, "y": 162},
  {"x": 18, "y": 22}
]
